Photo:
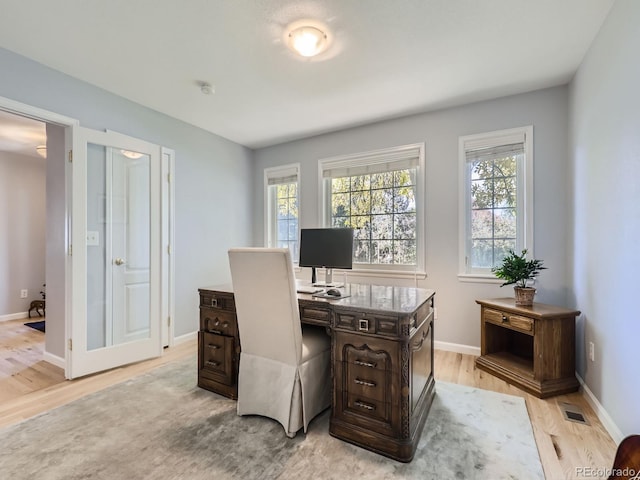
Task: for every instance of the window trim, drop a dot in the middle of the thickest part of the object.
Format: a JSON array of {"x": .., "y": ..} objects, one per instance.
[
  {"x": 275, "y": 172},
  {"x": 487, "y": 140},
  {"x": 376, "y": 157}
]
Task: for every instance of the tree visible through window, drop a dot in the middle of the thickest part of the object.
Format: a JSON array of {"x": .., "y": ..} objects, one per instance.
[
  {"x": 495, "y": 211},
  {"x": 287, "y": 216},
  {"x": 381, "y": 208},
  {"x": 378, "y": 195},
  {"x": 282, "y": 213}
]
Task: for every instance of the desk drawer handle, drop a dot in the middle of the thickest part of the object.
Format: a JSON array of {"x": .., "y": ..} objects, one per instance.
[
  {"x": 366, "y": 406},
  {"x": 213, "y": 364},
  {"x": 216, "y": 323},
  {"x": 365, "y": 364},
  {"x": 213, "y": 347},
  {"x": 364, "y": 382},
  {"x": 224, "y": 324},
  {"x": 505, "y": 319}
]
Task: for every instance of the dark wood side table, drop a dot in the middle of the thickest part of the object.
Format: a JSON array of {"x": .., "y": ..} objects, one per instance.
[{"x": 530, "y": 347}]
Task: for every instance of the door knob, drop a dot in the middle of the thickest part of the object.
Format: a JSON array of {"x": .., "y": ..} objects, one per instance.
[{"x": 118, "y": 261}]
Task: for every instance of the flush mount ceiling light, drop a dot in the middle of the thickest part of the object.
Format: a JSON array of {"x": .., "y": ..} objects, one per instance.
[
  {"x": 307, "y": 38},
  {"x": 42, "y": 150},
  {"x": 131, "y": 155}
]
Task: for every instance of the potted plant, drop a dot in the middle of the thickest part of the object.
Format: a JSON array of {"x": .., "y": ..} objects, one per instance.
[{"x": 517, "y": 269}]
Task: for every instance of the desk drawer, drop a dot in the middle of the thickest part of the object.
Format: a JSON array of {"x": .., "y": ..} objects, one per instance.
[
  {"x": 213, "y": 320},
  {"x": 367, "y": 352},
  {"x": 315, "y": 315},
  {"x": 509, "y": 320},
  {"x": 217, "y": 300},
  {"x": 366, "y": 409},
  {"x": 367, "y": 382},
  {"x": 368, "y": 323},
  {"x": 216, "y": 357},
  {"x": 421, "y": 315}
]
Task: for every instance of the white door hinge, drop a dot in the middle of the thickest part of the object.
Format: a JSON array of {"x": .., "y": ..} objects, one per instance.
[
  {"x": 70, "y": 156},
  {"x": 70, "y": 344}
]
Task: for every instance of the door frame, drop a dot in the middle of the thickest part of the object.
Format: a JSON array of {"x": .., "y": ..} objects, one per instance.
[{"x": 168, "y": 219}]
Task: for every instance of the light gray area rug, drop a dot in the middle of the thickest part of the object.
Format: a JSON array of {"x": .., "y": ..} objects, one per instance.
[{"x": 162, "y": 426}]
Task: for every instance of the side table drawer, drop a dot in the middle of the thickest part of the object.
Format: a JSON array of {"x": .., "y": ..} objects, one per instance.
[{"x": 508, "y": 320}]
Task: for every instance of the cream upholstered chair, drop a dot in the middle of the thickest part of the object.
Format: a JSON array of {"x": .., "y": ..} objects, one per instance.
[{"x": 284, "y": 373}]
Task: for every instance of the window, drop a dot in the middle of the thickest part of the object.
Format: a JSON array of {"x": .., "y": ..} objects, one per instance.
[
  {"x": 281, "y": 216},
  {"x": 496, "y": 198},
  {"x": 379, "y": 195}
]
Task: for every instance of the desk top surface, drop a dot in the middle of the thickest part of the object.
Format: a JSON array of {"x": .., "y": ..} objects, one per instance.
[{"x": 379, "y": 298}]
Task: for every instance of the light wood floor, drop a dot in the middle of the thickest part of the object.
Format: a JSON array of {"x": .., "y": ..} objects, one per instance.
[{"x": 29, "y": 386}]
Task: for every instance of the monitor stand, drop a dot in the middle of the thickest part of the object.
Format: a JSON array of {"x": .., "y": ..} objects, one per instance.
[{"x": 328, "y": 279}]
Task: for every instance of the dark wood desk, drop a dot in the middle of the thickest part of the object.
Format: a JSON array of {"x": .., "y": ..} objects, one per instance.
[{"x": 382, "y": 360}]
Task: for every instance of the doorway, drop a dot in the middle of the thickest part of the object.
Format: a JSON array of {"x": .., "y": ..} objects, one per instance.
[
  {"x": 63, "y": 325},
  {"x": 22, "y": 248}
]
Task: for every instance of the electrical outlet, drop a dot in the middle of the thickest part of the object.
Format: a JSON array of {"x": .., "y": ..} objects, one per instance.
[
  {"x": 24, "y": 293},
  {"x": 592, "y": 352}
]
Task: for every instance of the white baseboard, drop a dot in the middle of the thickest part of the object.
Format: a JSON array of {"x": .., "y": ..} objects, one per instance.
[
  {"x": 185, "y": 338},
  {"x": 14, "y": 316},
  {"x": 604, "y": 417},
  {"x": 457, "y": 348},
  {"x": 54, "y": 360}
]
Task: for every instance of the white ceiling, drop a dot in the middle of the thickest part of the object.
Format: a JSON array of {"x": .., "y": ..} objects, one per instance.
[
  {"x": 20, "y": 134},
  {"x": 388, "y": 58}
]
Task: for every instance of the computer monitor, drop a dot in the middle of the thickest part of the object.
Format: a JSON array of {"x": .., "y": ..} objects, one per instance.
[{"x": 326, "y": 248}]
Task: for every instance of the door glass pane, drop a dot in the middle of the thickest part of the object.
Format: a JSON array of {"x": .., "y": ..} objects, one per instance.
[
  {"x": 118, "y": 246},
  {"x": 96, "y": 253}
]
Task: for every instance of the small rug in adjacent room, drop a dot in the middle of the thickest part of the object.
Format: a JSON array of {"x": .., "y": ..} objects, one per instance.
[
  {"x": 37, "y": 325},
  {"x": 161, "y": 426}
]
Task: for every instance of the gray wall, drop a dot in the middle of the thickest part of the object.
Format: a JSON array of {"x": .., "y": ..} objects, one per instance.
[
  {"x": 22, "y": 223},
  {"x": 605, "y": 166},
  {"x": 212, "y": 186},
  {"x": 458, "y": 314}
]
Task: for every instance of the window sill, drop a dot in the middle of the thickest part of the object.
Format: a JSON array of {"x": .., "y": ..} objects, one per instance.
[
  {"x": 420, "y": 275},
  {"x": 339, "y": 274},
  {"x": 479, "y": 278}
]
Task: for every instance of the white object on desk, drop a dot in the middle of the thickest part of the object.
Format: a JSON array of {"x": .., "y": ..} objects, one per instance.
[{"x": 308, "y": 289}]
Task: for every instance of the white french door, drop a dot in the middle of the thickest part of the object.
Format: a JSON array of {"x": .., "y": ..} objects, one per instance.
[{"x": 117, "y": 259}]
